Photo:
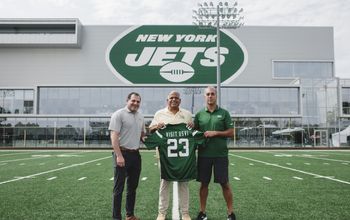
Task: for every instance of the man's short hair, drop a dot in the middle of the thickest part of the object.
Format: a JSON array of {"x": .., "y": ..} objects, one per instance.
[{"x": 133, "y": 93}]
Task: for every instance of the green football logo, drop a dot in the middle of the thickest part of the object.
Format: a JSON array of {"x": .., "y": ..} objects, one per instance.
[{"x": 175, "y": 55}]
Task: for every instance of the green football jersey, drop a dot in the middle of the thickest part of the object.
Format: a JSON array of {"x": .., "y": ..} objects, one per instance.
[{"x": 177, "y": 150}]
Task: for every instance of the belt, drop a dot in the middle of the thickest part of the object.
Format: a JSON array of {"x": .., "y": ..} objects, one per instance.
[{"x": 128, "y": 150}]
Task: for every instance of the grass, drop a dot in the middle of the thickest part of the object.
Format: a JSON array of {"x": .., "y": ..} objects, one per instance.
[{"x": 266, "y": 184}]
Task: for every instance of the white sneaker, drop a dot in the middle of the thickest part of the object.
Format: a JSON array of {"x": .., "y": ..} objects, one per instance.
[
  {"x": 186, "y": 217},
  {"x": 161, "y": 216}
]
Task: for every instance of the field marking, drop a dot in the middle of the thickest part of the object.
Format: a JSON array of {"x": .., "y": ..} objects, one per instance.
[
  {"x": 292, "y": 169},
  {"x": 175, "y": 209},
  {"x": 82, "y": 178},
  {"x": 51, "y": 178},
  {"x": 322, "y": 177},
  {"x": 329, "y": 159},
  {"x": 298, "y": 178},
  {"x": 54, "y": 170},
  {"x": 35, "y": 156},
  {"x": 111, "y": 178},
  {"x": 311, "y": 156},
  {"x": 14, "y": 160},
  {"x": 236, "y": 178},
  {"x": 1, "y": 155},
  {"x": 267, "y": 178},
  {"x": 144, "y": 178},
  {"x": 332, "y": 152}
]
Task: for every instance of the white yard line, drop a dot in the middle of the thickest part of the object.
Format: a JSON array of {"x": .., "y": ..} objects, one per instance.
[
  {"x": 51, "y": 178},
  {"x": 32, "y": 158},
  {"x": 44, "y": 156},
  {"x": 318, "y": 158},
  {"x": 312, "y": 157},
  {"x": 2, "y": 155},
  {"x": 82, "y": 178},
  {"x": 54, "y": 170},
  {"x": 175, "y": 210},
  {"x": 295, "y": 170},
  {"x": 267, "y": 178},
  {"x": 298, "y": 178}
]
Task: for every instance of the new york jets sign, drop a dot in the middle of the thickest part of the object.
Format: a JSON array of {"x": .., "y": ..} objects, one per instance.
[{"x": 175, "y": 55}]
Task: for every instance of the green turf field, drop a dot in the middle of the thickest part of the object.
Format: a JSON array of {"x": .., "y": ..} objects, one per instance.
[{"x": 266, "y": 184}]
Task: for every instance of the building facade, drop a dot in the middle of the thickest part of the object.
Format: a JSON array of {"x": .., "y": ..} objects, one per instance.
[{"x": 60, "y": 81}]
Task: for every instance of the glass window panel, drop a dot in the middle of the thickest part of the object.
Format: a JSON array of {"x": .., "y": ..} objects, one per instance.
[
  {"x": 319, "y": 70},
  {"x": 263, "y": 101},
  {"x": 13, "y": 101},
  {"x": 346, "y": 101},
  {"x": 104, "y": 101},
  {"x": 28, "y": 94}
]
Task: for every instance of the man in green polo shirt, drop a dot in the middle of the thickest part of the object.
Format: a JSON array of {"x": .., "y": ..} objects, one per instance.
[{"x": 217, "y": 125}]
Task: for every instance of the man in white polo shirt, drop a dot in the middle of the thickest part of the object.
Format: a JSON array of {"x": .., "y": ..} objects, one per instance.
[
  {"x": 127, "y": 128},
  {"x": 172, "y": 114}
]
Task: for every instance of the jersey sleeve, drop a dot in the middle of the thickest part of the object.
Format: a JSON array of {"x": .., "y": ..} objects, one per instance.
[
  {"x": 154, "y": 140},
  {"x": 199, "y": 137}
]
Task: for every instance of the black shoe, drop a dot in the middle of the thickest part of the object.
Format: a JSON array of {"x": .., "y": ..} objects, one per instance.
[
  {"x": 231, "y": 216},
  {"x": 202, "y": 216}
]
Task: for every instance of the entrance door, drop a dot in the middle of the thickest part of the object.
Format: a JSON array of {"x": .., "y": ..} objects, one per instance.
[{"x": 320, "y": 138}]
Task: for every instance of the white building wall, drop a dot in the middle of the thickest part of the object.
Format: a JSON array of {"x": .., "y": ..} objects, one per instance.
[{"x": 30, "y": 67}]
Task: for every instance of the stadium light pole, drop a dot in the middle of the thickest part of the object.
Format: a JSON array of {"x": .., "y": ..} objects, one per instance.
[{"x": 223, "y": 15}]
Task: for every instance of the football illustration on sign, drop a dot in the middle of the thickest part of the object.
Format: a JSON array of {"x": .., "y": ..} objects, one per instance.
[
  {"x": 176, "y": 71},
  {"x": 177, "y": 54}
]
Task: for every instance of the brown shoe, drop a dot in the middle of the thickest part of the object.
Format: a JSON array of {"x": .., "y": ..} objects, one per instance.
[{"x": 133, "y": 217}]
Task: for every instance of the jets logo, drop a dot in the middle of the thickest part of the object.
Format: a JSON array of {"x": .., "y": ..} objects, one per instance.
[{"x": 173, "y": 55}]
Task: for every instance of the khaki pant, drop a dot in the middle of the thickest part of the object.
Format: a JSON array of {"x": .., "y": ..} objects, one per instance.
[{"x": 183, "y": 193}]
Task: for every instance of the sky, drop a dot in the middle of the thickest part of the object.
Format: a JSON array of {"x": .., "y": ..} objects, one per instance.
[{"x": 334, "y": 13}]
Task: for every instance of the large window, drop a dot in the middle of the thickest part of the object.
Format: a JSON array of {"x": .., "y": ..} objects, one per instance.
[
  {"x": 346, "y": 101},
  {"x": 16, "y": 101},
  {"x": 261, "y": 100},
  {"x": 301, "y": 69},
  {"x": 105, "y": 100}
]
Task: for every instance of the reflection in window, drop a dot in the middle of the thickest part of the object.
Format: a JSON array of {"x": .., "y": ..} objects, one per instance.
[
  {"x": 105, "y": 100},
  {"x": 16, "y": 101},
  {"x": 261, "y": 101},
  {"x": 346, "y": 101}
]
